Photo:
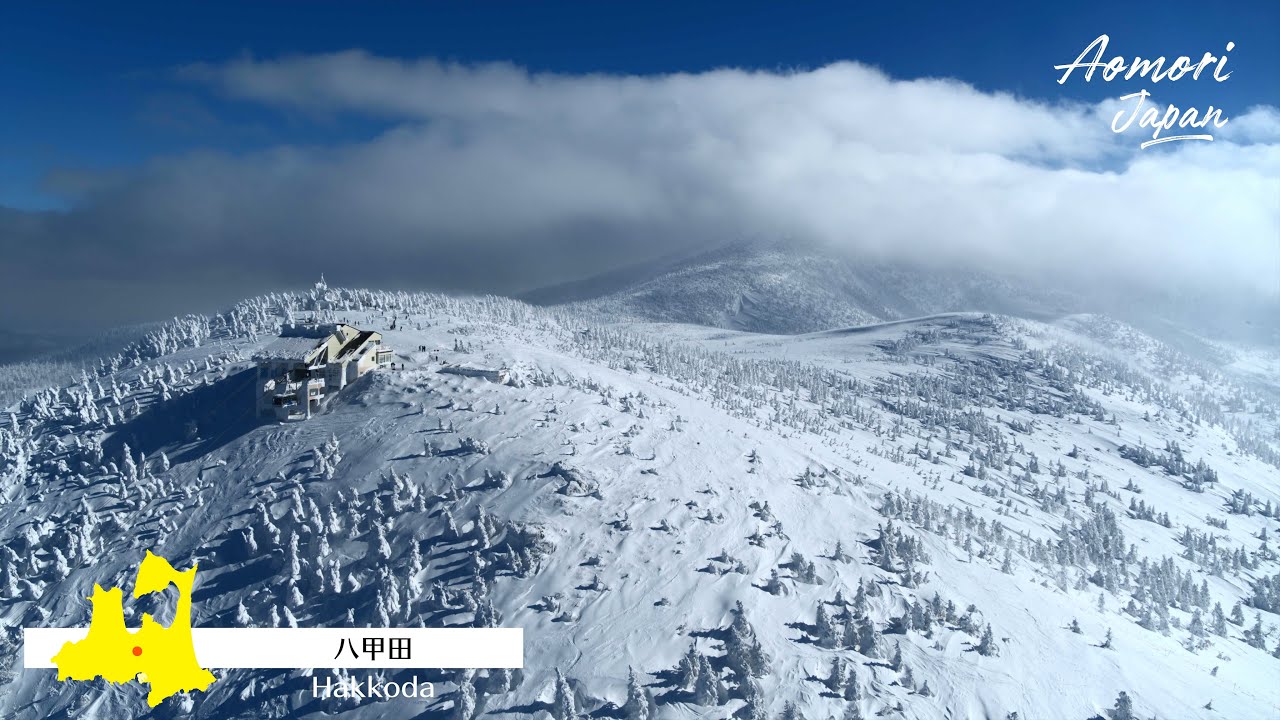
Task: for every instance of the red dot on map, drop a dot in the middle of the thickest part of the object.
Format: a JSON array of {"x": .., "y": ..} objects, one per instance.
[{"x": 137, "y": 650}]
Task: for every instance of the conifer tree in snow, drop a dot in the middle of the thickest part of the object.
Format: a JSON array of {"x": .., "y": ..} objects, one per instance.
[
  {"x": 849, "y": 637},
  {"x": 292, "y": 560},
  {"x": 756, "y": 707},
  {"x": 839, "y": 555},
  {"x": 1237, "y": 614},
  {"x": 743, "y": 652},
  {"x": 10, "y": 578},
  {"x": 464, "y": 707},
  {"x": 707, "y": 687},
  {"x": 502, "y": 680},
  {"x": 61, "y": 568},
  {"x": 835, "y": 678},
  {"x": 1196, "y": 626},
  {"x": 563, "y": 703},
  {"x": 271, "y": 533},
  {"x": 1123, "y": 709},
  {"x": 451, "y": 527},
  {"x": 333, "y": 522},
  {"x": 381, "y": 544},
  {"x": 987, "y": 644},
  {"x": 242, "y": 615},
  {"x": 639, "y": 703},
  {"x": 824, "y": 632},
  {"x": 773, "y": 585},
  {"x": 128, "y": 467},
  {"x": 1219, "y": 620},
  {"x": 867, "y": 638},
  {"x": 1256, "y": 636},
  {"x": 851, "y": 691},
  {"x": 690, "y": 666}
]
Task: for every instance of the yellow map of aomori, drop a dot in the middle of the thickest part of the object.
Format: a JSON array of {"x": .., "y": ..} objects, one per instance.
[{"x": 159, "y": 655}]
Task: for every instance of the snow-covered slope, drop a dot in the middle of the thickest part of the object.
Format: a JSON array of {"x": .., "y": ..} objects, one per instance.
[
  {"x": 933, "y": 507},
  {"x": 789, "y": 287}
]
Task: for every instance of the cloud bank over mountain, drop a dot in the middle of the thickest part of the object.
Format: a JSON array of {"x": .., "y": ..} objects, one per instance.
[{"x": 490, "y": 178}]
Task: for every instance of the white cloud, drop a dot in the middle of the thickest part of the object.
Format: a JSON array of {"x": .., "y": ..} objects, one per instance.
[
  {"x": 1260, "y": 124},
  {"x": 551, "y": 176}
]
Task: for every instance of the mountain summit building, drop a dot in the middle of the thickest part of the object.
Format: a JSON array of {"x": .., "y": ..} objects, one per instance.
[{"x": 309, "y": 361}]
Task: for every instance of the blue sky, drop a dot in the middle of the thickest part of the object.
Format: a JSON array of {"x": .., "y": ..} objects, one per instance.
[{"x": 90, "y": 86}]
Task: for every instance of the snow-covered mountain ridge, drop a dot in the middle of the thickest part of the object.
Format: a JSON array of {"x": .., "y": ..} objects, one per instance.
[
  {"x": 790, "y": 287},
  {"x": 916, "y": 518}
]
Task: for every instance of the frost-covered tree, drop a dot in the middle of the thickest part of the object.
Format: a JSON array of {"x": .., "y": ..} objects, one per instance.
[
  {"x": 128, "y": 467},
  {"x": 839, "y": 555},
  {"x": 270, "y": 532},
  {"x": 1219, "y": 620},
  {"x": 707, "y": 689},
  {"x": 383, "y": 547},
  {"x": 451, "y": 531},
  {"x": 756, "y": 707},
  {"x": 849, "y": 636},
  {"x": 851, "y": 691},
  {"x": 1196, "y": 626},
  {"x": 563, "y": 704},
  {"x": 464, "y": 704},
  {"x": 689, "y": 668},
  {"x": 1256, "y": 636},
  {"x": 639, "y": 703},
  {"x": 987, "y": 644},
  {"x": 743, "y": 652},
  {"x": 774, "y": 585},
  {"x": 860, "y": 601},
  {"x": 1123, "y": 709},
  {"x": 1237, "y": 614},
  {"x": 242, "y": 616},
  {"x": 824, "y": 631},
  {"x": 867, "y": 638},
  {"x": 835, "y": 678}
]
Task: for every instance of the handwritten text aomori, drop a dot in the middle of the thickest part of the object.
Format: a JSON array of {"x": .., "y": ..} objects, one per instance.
[{"x": 1155, "y": 71}]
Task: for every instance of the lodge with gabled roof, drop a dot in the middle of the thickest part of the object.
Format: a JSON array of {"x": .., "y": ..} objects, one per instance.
[{"x": 309, "y": 362}]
